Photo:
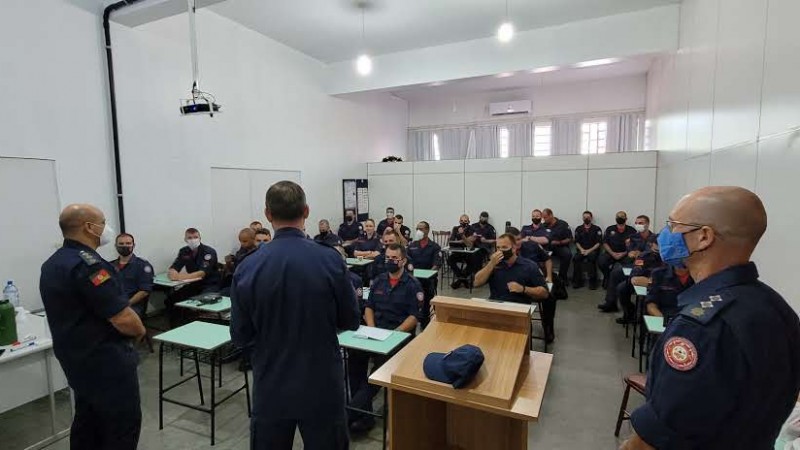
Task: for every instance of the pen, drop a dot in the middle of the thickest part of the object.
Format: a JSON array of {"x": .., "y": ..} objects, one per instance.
[{"x": 29, "y": 344}]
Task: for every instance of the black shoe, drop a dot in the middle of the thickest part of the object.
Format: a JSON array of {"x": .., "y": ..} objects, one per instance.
[
  {"x": 362, "y": 426},
  {"x": 601, "y": 305},
  {"x": 577, "y": 285},
  {"x": 593, "y": 285},
  {"x": 549, "y": 337},
  {"x": 605, "y": 283},
  {"x": 624, "y": 321},
  {"x": 455, "y": 284},
  {"x": 609, "y": 309}
]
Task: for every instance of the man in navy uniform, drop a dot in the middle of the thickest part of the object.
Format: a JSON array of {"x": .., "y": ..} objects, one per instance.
[
  {"x": 195, "y": 260},
  {"x": 643, "y": 239},
  {"x": 485, "y": 232},
  {"x": 666, "y": 285},
  {"x": 535, "y": 252},
  {"x": 393, "y": 304},
  {"x": 638, "y": 243},
  {"x": 403, "y": 231},
  {"x": 615, "y": 244},
  {"x": 536, "y": 231},
  {"x": 262, "y": 236},
  {"x": 560, "y": 240},
  {"x": 350, "y": 230},
  {"x": 247, "y": 244},
  {"x": 288, "y": 324},
  {"x": 726, "y": 371},
  {"x": 388, "y": 222},
  {"x": 588, "y": 239},
  {"x": 423, "y": 253},
  {"x": 92, "y": 326},
  {"x": 643, "y": 267},
  {"x": 458, "y": 231},
  {"x": 379, "y": 266},
  {"x": 136, "y": 274},
  {"x": 326, "y": 236},
  {"x": 515, "y": 279}
]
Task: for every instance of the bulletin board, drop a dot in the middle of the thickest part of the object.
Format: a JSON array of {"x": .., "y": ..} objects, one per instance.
[{"x": 355, "y": 195}]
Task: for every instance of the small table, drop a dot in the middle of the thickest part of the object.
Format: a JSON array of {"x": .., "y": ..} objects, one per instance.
[
  {"x": 163, "y": 280},
  {"x": 391, "y": 345},
  {"x": 359, "y": 262},
  {"x": 654, "y": 326},
  {"x": 219, "y": 308},
  {"x": 425, "y": 274},
  {"x": 196, "y": 336},
  {"x": 627, "y": 271},
  {"x": 641, "y": 293},
  {"x": 461, "y": 250}
]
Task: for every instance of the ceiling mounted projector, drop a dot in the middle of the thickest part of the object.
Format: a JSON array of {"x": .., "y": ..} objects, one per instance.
[{"x": 200, "y": 102}]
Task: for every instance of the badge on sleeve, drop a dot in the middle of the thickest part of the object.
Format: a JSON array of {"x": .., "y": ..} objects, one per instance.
[
  {"x": 148, "y": 269},
  {"x": 207, "y": 257},
  {"x": 359, "y": 293},
  {"x": 420, "y": 296},
  {"x": 100, "y": 277},
  {"x": 680, "y": 354}
]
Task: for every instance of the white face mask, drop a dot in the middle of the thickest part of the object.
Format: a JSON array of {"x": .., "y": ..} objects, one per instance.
[
  {"x": 639, "y": 227},
  {"x": 193, "y": 243},
  {"x": 107, "y": 236},
  {"x": 418, "y": 235}
]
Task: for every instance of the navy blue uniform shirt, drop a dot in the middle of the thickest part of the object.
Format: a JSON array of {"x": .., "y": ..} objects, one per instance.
[
  {"x": 645, "y": 263},
  {"x": 383, "y": 225},
  {"x": 350, "y": 231},
  {"x": 726, "y": 372},
  {"x": 426, "y": 257},
  {"x": 81, "y": 291},
  {"x": 664, "y": 289},
  {"x": 393, "y": 305},
  {"x": 204, "y": 258},
  {"x": 523, "y": 271},
  {"x": 535, "y": 252},
  {"x": 588, "y": 237},
  {"x": 135, "y": 276},
  {"x": 618, "y": 240},
  {"x": 358, "y": 286},
  {"x": 540, "y": 231},
  {"x": 484, "y": 231},
  {"x": 640, "y": 243},
  {"x": 330, "y": 239},
  {"x": 455, "y": 235},
  {"x": 287, "y": 302},
  {"x": 366, "y": 244},
  {"x": 559, "y": 231}
]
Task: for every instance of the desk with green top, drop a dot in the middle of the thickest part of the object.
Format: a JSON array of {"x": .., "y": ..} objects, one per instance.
[
  {"x": 358, "y": 262},
  {"x": 219, "y": 308},
  {"x": 654, "y": 326},
  {"x": 196, "y": 336},
  {"x": 163, "y": 280},
  {"x": 425, "y": 274},
  {"x": 390, "y": 346},
  {"x": 641, "y": 293}
]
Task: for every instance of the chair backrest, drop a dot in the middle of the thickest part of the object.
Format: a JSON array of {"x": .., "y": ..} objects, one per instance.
[{"x": 442, "y": 238}]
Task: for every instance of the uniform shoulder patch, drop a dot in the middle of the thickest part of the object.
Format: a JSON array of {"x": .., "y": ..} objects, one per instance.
[
  {"x": 207, "y": 257},
  {"x": 88, "y": 258},
  {"x": 420, "y": 296},
  {"x": 148, "y": 269},
  {"x": 100, "y": 277},
  {"x": 706, "y": 308},
  {"x": 680, "y": 353}
]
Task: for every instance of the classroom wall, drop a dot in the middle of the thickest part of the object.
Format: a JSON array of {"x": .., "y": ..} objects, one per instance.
[
  {"x": 609, "y": 94},
  {"x": 725, "y": 110},
  {"x": 509, "y": 188},
  {"x": 52, "y": 81}
]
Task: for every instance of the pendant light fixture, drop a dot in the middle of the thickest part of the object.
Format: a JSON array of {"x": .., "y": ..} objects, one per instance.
[
  {"x": 506, "y": 31},
  {"x": 363, "y": 62}
]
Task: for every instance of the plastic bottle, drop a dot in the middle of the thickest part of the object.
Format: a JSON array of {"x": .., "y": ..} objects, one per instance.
[
  {"x": 11, "y": 293},
  {"x": 8, "y": 323}
]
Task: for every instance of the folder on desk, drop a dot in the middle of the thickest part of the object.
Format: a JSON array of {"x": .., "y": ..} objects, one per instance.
[{"x": 378, "y": 334}]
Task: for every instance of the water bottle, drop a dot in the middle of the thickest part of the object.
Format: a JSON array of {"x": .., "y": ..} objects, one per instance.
[{"x": 11, "y": 293}]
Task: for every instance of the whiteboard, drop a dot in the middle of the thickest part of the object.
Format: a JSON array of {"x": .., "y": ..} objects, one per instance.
[
  {"x": 237, "y": 198},
  {"x": 29, "y": 209}
]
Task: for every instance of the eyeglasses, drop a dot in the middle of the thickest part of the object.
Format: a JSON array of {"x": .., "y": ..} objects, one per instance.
[
  {"x": 395, "y": 259},
  {"x": 671, "y": 225}
]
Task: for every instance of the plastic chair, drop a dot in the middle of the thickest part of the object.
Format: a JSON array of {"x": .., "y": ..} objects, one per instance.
[{"x": 638, "y": 383}]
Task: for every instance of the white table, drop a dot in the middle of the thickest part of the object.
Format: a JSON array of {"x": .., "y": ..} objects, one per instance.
[{"x": 23, "y": 364}]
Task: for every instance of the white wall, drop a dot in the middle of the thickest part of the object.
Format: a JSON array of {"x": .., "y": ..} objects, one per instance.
[
  {"x": 603, "y": 95},
  {"x": 726, "y": 109},
  {"x": 509, "y": 188},
  {"x": 52, "y": 82}
]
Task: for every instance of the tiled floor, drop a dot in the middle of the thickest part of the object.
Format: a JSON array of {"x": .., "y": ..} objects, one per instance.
[{"x": 583, "y": 393}]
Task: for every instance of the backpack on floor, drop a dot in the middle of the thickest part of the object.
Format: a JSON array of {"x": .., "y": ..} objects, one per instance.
[{"x": 559, "y": 291}]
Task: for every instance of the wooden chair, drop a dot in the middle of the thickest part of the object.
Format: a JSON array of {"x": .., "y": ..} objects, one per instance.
[{"x": 638, "y": 382}]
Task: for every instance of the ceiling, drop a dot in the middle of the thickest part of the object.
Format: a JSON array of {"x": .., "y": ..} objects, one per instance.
[
  {"x": 330, "y": 30},
  {"x": 522, "y": 80}
]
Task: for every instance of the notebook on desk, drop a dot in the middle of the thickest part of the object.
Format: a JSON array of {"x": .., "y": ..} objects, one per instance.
[{"x": 378, "y": 334}]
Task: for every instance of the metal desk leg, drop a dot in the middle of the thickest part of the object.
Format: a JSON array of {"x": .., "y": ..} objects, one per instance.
[
  {"x": 347, "y": 393},
  {"x": 160, "y": 385},
  {"x": 220, "y": 372},
  {"x": 385, "y": 415},
  {"x": 213, "y": 399},
  {"x": 50, "y": 392},
  {"x": 197, "y": 374}
]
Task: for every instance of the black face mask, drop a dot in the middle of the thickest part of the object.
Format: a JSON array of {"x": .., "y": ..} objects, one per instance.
[
  {"x": 124, "y": 251},
  {"x": 323, "y": 233},
  {"x": 508, "y": 254},
  {"x": 587, "y": 221},
  {"x": 536, "y": 221},
  {"x": 463, "y": 224},
  {"x": 484, "y": 219},
  {"x": 349, "y": 219},
  {"x": 621, "y": 220},
  {"x": 392, "y": 266}
]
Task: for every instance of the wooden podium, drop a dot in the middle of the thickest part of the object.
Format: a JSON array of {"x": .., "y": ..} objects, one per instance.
[{"x": 493, "y": 411}]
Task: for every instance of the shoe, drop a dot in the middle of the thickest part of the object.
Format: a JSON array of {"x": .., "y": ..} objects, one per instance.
[
  {"x": 549, "y": 337},
  {"x": 362, "y": 426},
  {"x": 623, "y": 321},
  {"x": 455, "y": 284},
  {"x": 577, "y": 285},
  {"x": 609, "y": 309},
  {"x": 593, "y": 286},
  {"x": 601, "y": 305}
]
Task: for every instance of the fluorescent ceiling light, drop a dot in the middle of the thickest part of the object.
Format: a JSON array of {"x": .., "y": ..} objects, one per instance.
[
  {"x": 597, "y": 62},
  {"x": 506, "y": 32},
  {"x": 545, "y": 69},
  {"x": 364, "y": 65}
]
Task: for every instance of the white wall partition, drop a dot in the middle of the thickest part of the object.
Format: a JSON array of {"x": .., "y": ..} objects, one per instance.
[{"x": 440, "y": 191}]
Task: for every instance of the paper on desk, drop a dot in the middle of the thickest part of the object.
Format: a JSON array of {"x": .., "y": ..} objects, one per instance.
[{"x": 377, "y": 334}]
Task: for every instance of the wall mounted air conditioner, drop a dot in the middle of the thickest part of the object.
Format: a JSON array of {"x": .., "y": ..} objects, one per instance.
[{"x": 506, "y": 108}]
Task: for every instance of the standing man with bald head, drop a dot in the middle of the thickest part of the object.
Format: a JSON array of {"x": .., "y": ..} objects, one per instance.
[
  {"x": 92, "y": 326},
  {"x": 726, "y": 372}
]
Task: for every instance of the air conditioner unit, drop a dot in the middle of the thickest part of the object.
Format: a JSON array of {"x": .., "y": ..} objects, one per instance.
[{"x": 506, "y": 108}]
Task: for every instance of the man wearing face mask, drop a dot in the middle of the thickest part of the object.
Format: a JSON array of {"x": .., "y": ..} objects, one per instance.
[
  {"x": 515, "y": 279},
  {"x": 263, "y": 236},
  {"x": 560, "y": 240},
  {"x": 485, "y": 232},
  {"x": 535, "y": 232},
  {"x": 423, "y": 253},
  {"x": 643, "y": 239},
  {"x": 393, "y": 304},
  {"x": 726, "y": 371},
  {"x": 588, "y": 238},
  {"x": 388, "y": 222},
  {"x": 136, "y": 274},
  {"x": 615, "y": 244},
  {"x": 379, "y": 266},
  {"x": 92, "y": 326},
  {"x": 638, "y": 244},
  {"x": 247, "y": 244},
  {"x": 458, "y": 231},
  {"x": 350, "y": 230},
  {"x": 194, "y": 261},
  {"x": 325, "y": 235}
]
